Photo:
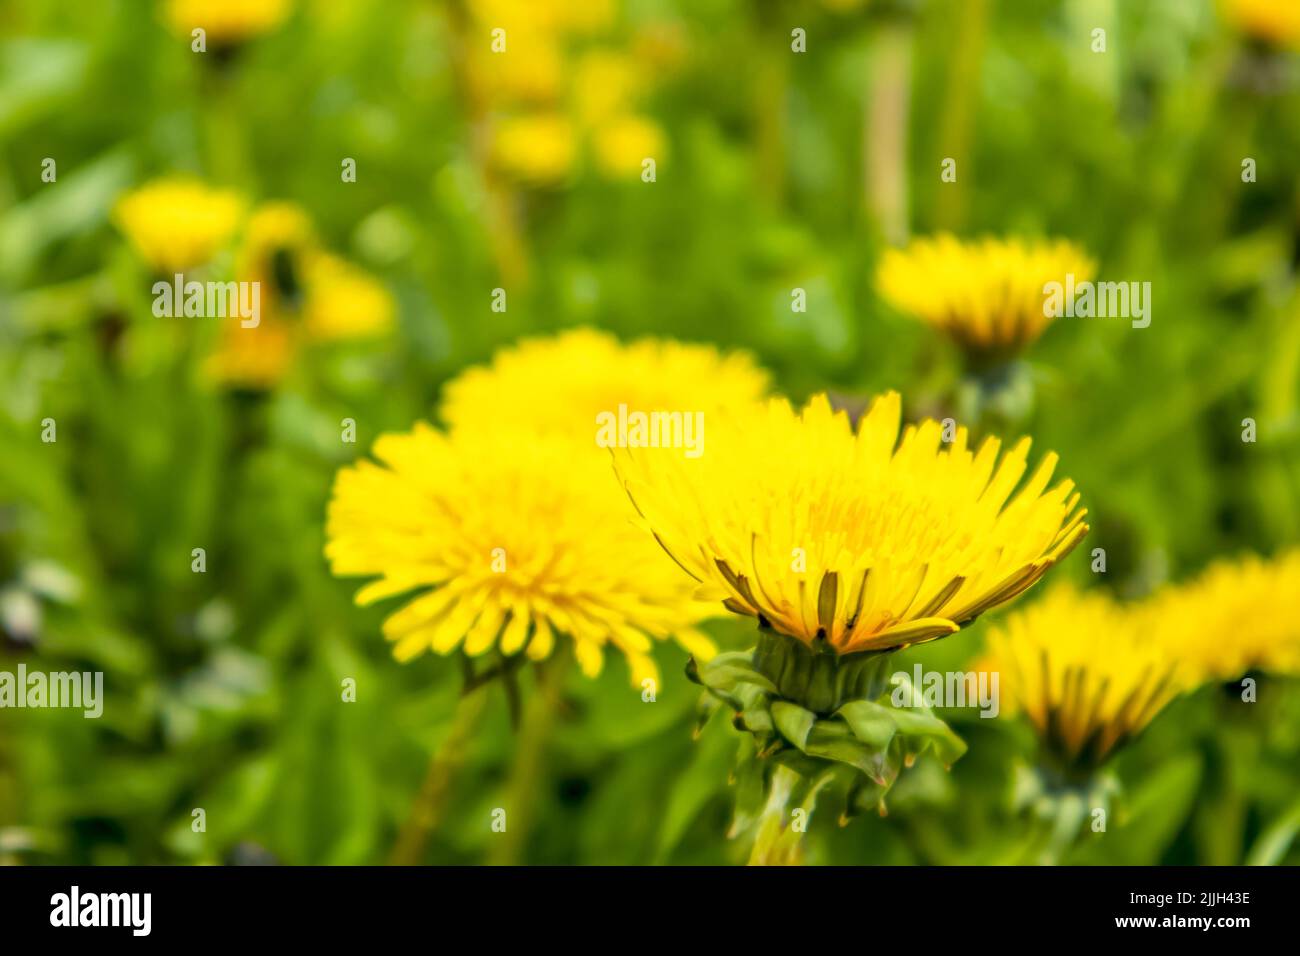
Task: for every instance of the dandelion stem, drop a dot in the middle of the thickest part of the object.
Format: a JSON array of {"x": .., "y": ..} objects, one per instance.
[
  {"x": 771, "y": 91},
  {"x": 959, "y": 110},
  {"x": 535, "y": 725},
  {"x": 885, "y": 145},
  {"x": 9, "y": 815},
  {"x": 446, "y": 762}
]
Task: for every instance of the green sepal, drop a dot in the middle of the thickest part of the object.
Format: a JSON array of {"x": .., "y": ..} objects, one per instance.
[
  {"x": 871, "y": 723},
  {"x": 809, "y": 710},
  {"x": 921, "y": 728},
  {"x": 793, "y": 721},
  {"x": 756, "y": 720},
  {"x": 725, "y": 672},
  {"x": 832, "y": 740}
]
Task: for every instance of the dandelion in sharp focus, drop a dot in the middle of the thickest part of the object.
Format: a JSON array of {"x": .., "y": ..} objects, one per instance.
[
  {"x": 855, "y": 541},
  {"x": 845, "y": 546}
]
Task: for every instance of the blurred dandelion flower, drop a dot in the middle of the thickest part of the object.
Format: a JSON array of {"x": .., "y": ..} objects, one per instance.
[
  {"x": 227, "y": 22},
  {"x": 528, "y": 67},
  {"x": 622, "y": 143},
  {"x": 1236, "y": 618},
  {"x": 605, "y": 81},
  {"x": 309, "y": 295},
  {"x": 252, "y": 359},
  {"x": 1086, "y": 671},
  {"x": 343, "y": 302},
  {"x": 512, "y": 539},
  {"x": 530, "y": 72},
  {"x": 854, "y": 542},
  {"x": 178, "y": 224},
  {"x": 516, "y": 517},
  {"x": 546, "y": 16},
  {"x": 277, "y": 240},
  {"x": 547, "y": 96},
  {"x": 558, "y": 385},
  {"x": 987, "y": 295},
  {"x": 1275, "y": 22},
  {"x": 538, "y": 148}
]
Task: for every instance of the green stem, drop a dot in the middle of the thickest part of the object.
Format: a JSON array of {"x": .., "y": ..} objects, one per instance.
[
  {"x": 8, "y": 795},
  {"x": 1064, "y": 828},
  {"x": 958, "y": 115},
  {"x": 528, "y": 771},
  {"x": 431, "y": 802},
  {"x": 771, "y": 84},
  {"x": 225, "y": 133},
  {"x": 885, "y": 129}
]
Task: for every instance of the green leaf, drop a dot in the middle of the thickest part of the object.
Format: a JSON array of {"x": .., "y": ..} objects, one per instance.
[{"x": 1274, "y": 842}]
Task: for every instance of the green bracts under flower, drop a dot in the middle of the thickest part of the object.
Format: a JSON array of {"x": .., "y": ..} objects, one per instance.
[{"x": 815, "y": 711}]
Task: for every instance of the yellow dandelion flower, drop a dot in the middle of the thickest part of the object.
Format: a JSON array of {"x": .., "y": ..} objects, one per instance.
[
  {"x": 1237, "y": 617},
  {"x": 623, "y": 143},
  {"x": 177, "y": 224},
  {"x": 512, "y": 539},
  {"x": 524, "y": 62},
  {"x": 561, "y": 17},
  {"x": 530, "y": 71},
  {"x": 544, "y": 16},
  {"x": 539, "y": 149},
  {"x": 254, "y": 358},
  {"x": 306, "y": 295},
  {"x": 1276, "y": 22},
  {"x": 605, "y": 83},
  {"x": 583, "y": 19},
  {"x": 342, "y": 301},
  {"x": 227, "y": 21},
  {"x": 987, "y": 294},
  {"x": 1085, "y": 671},
  {"x": 562, "y": 384},
  {"x": 853, "y": 541},
  {"x": 278, "y": 238}
]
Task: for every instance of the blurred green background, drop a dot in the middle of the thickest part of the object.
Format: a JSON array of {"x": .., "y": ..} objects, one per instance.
[{"x": 777, "y": 170}]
